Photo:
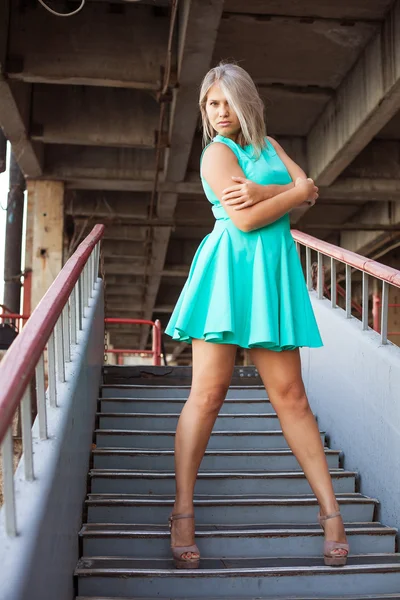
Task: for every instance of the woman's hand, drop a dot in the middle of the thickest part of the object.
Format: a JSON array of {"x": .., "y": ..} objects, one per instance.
[
  {"x": 245, "y": 193},
  {"x": 310, "y": 190}
]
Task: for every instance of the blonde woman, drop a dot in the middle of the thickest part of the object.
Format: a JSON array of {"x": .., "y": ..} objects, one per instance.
[{"x": 246, "y": 288}]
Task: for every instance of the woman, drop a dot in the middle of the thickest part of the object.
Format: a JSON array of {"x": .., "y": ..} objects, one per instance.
[{"x": 246, "y": 288}]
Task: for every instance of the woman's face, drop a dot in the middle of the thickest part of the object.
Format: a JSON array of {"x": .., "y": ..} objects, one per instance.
[{"x": 222, "y": 117}]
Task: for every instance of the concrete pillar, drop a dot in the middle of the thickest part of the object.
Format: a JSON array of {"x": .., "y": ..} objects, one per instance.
[{"x": 44, "y": 235}]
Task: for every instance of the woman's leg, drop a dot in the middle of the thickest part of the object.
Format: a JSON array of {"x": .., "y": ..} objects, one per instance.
[
  {"x": 212, "y": 372},
  {"x": 281, "y": 375}
]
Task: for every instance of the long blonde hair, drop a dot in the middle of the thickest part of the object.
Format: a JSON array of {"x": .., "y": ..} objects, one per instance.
[{"x": 243, "y": 97}]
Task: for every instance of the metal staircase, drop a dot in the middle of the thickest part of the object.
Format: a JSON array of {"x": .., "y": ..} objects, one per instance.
[{"x": 255, "y": 513}]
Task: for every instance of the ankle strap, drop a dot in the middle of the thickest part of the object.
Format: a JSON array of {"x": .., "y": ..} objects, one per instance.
[
  {"x": 332, "y": 516},
  {"x": 174, "y": 517}
]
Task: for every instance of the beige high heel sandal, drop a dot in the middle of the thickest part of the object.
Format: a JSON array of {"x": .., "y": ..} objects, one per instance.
[
  {"x": 333, "y": 560},
  {"x": 178, "y": 551}
]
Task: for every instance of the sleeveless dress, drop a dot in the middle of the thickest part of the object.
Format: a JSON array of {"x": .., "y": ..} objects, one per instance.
[{"x": 247, "y": 288}]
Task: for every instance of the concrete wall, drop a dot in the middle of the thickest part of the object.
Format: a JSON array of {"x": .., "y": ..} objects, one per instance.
[
  {"x": 40, "y": 562},
  {"x": 353, "y": 384}
]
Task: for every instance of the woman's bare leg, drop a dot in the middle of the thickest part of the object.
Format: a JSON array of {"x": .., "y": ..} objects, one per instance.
[
  {"x": 281, "y": 375},
  {"x": 212, "y": 371}
]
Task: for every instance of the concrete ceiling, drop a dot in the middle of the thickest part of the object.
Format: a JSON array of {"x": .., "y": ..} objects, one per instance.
[{"x": 80, "y": 102}]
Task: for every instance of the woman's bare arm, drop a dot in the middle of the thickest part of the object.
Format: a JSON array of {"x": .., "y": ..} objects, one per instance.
[
  {"x": 245, "y": 193},
  {"x": 219, "y": 164}
]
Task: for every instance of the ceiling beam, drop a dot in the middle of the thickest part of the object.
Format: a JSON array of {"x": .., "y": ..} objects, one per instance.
[
  {"x": 15, "y": 108},
  {"x": 94, "y": 116},
  {"x": 354, "y": 10},
  {"x": 106, "y": 46},
  {"x": 198, "y": 27},
  {"x": 358, "y": 189},
  {"x": 366, "y": 100},
  {"x": 368, "y": 243},
  {"x": 68, "y": 162}
]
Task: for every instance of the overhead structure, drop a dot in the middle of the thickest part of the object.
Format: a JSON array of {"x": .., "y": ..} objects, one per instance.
[{"x": 104, "y": 107}]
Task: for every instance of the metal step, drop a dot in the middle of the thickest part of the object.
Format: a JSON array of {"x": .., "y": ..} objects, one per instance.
[
  {"x": 268, "y": 460},
  {"x": 175, "y": 405},
  {"x": 176, "y": 391},
  {"x": 219, "y": 440},
  {"x": 150, "y": 375},
  {"x": 220, "y": 510},
  {"x": 231, "y": 541},
  {"x": 168, "y": 421},
  {"x": 238, "y": 578},
  {"x": 233, "y": 482}
]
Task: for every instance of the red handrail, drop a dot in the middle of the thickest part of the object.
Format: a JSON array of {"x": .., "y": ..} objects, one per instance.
[
  {"x": 362, "y": 263},
  {"x": 156, "y": 348},
  {"x": 18, "y": 366}
]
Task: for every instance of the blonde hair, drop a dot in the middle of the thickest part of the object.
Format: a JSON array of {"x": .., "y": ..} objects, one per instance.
[{"x": 243, "y": 97}]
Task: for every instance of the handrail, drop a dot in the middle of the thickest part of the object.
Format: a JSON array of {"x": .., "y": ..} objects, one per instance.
[
  {"x": 367, "y": 266},
  {"x": 56, "y": 322},
  {"x": 156, "y": 346},
  {"x": 18, "y": 366},
  {"x": 372, "y": 267}
]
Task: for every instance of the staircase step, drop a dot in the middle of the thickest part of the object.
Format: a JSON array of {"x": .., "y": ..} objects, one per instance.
[
  {"x": 232, "y": 482},
  {"x": 238, "y": 578},
  {"x": 234, "y": 541},
  {"x": 168, "y": 421},
  {"x": 220, "y": 510},
  {"x": 268, "y": 460},
  {"x": 164, "y": 440},
  {"x": 176, "y": 391},
  {"x": 175, "y": 405}
]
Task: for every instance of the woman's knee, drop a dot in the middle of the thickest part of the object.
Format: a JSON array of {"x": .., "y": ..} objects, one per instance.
[
  {"x": 209, "y": 399},
  {"x": 291, "y": 397}
]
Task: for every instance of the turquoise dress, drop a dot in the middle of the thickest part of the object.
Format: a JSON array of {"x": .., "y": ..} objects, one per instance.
[{"x": 247, "y": 288}]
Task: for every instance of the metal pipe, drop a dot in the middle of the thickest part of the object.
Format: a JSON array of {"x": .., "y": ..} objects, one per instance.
[
  {"x": 308, "y": 268},
  {"x": 7, "y": 451},
  {"x": 348, "y": 291},
  {"x": 333, "y": 283},
  {"x": 320, "y": 277},
  {"x": 365, "y": 300},
  {"x": 384, "y": 312},
  {"x": 41, "y": 398},
  {"x": 26, "y": 420},
  {"x": 51, "y": 360},
  {"x": 60, "y": 350}
]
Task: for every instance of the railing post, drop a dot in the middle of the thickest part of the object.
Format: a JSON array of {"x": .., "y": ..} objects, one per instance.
[
  {"x": 26, "y": 420},
  {"x": 7, "y": 451},
  {"x": 333, "y": 284},
  {"x": 365, "y": 298},
  {"x": 51, "y": 359},
  {"x": 41, "y": 398},
  {"x": 308, "y": 269},
  {"x": 384, "y": 312},
  {"x": 66, "y": 333},
  {"x": 60, "y": 350},
  {"x": 348, "y": 291},
  {"x": 320, "y": 277}
]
